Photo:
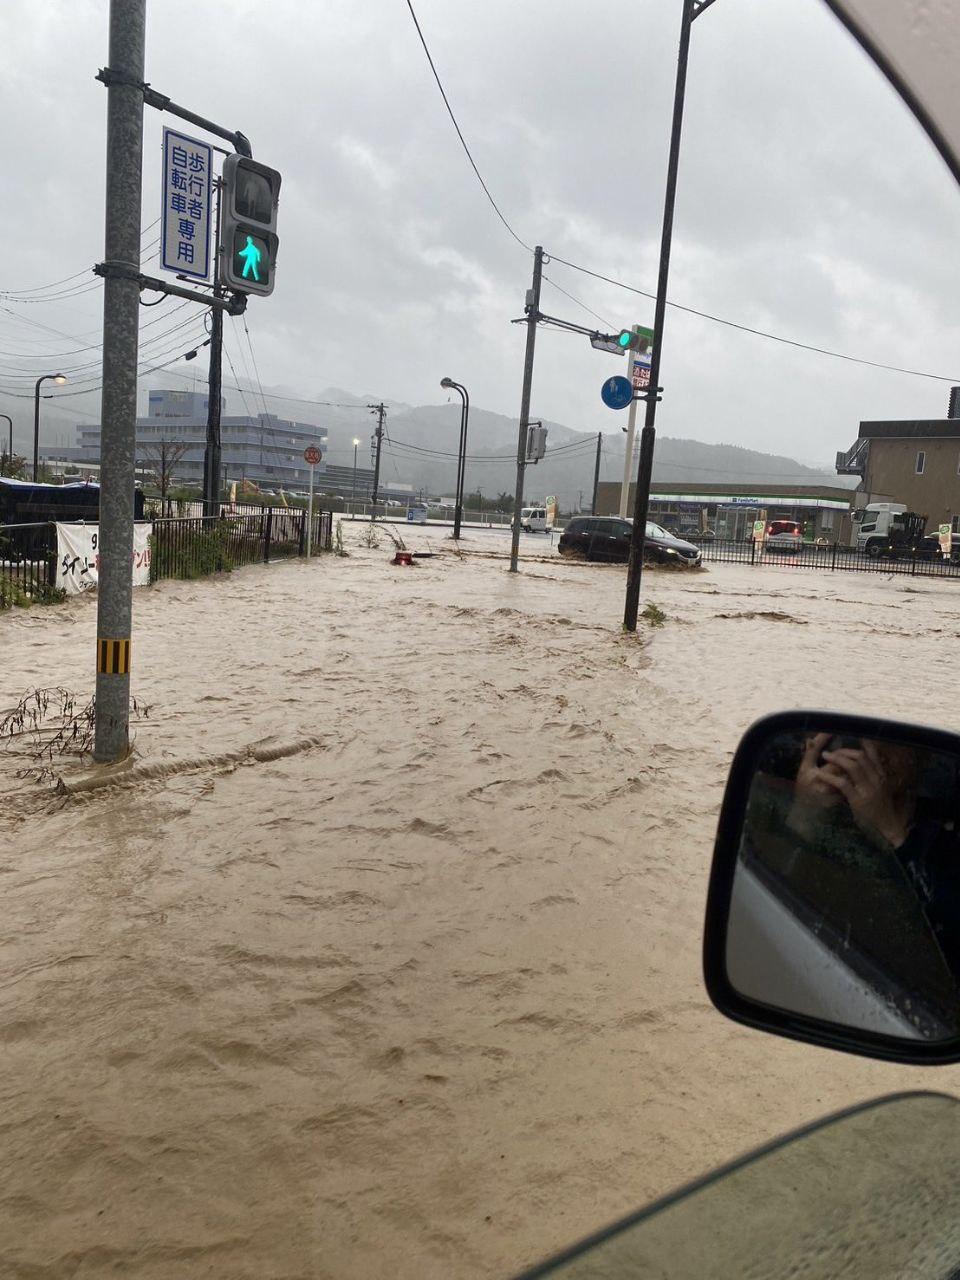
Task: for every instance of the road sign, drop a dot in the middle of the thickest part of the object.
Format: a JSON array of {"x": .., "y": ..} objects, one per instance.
[
  {"x": 599, "y": 343},
  {"x": 616, "y": 393},
  {"x": 185, "y": 213},
  {"x": 312, "y": 455}
]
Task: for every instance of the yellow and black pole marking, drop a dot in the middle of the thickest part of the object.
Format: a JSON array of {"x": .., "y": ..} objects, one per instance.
[{"x": 113, "y": 657}]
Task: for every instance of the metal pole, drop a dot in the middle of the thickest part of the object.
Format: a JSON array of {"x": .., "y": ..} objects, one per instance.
[
  {"x": 121, "y": 308},
  {"x": 596, "y": 474},
  {"x": 461, "y": 457},
  {"x": 631, "y": 440},
  {"x": 212, "y": 451},
  {"x": 533, "y": 315},
  {"x": 36, "y": 428},
  {"x": 648, "y": 435},
  {"x": 353, "y": 489},
  {"x": 310, "y": 512}
]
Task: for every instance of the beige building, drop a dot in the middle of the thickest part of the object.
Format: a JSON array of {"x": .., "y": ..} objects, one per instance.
[{"x": 916, "y": 463}]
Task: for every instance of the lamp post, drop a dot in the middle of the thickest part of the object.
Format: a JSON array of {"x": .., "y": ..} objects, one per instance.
[
  {"x": 449, "y": 384},
  {"x": 10, "y": 454},
  {"x": 353, "y": 490},
  {"x": 58, "y": 379}
]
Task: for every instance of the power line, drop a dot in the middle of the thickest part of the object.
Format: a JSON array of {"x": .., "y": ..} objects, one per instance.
[
  {"x": 644, "y": 293},
  {"x": 463, "y": 141},
  {"x": 760, "y": 333},
  {"x": 15, "y": 294}
]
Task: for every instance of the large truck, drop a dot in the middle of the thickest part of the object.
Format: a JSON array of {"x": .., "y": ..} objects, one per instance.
[{"x": 889, "y": 530}]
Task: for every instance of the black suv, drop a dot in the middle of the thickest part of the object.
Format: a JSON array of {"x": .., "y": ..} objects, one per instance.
[{"x": 608, "y": 538}]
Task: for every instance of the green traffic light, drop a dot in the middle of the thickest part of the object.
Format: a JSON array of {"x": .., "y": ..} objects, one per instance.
[
  {"x": 625, "y": 340},
  {"x": 251, "y": 259}
]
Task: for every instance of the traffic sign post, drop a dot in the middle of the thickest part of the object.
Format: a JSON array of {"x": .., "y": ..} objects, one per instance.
[
  {"x": 616, "y": 393},
  {"x": 311, "y": 456}
]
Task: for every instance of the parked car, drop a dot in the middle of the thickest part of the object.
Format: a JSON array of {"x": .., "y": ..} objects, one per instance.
[
  {"x": 784, "y": 535},
  {"x": 608, "y": 538}
]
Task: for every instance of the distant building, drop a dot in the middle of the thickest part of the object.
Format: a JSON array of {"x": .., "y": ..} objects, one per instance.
[
  {"x": 265, "y": 449},
  {"x": 729, "y": 510},
  {"x": 913, "y": 462}
]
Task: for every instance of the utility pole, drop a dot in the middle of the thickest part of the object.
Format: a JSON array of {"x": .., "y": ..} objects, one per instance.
[
  {"x": 381, "y": 411},
  {"x": 631, "y": 438},
  {"x": 596, "y": 474},
  {"x": 213, "y": 452},
  {"x": 532, "y": 310},
  {"x": 691, "y": 10},
  {"x": 121, "y": 317}
]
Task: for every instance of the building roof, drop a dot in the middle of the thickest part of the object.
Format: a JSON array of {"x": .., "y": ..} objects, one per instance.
[
  {"x": 918, "y": 429},
  {"x": 836, "y": 493}
]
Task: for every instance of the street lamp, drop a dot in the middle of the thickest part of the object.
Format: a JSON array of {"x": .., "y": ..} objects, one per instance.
[
  {"x": 450, "y": 385},
  {"x": 353, "y": 491},
  {"x": 10, "y": 455},
  {"x": 58, "y": 379}
]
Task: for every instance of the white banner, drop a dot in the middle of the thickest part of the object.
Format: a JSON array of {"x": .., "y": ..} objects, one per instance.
[{"x": 78, "y": 556}]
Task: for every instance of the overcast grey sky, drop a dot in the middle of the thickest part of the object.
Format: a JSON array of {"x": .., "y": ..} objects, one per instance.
[{"x": 810, "y": 203}]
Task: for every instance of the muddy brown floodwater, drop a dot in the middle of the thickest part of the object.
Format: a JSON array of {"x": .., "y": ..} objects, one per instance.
[{"x": 382, "y": 958}]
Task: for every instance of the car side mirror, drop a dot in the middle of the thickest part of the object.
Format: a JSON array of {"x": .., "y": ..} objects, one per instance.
[{"x": 833, "y": 912}]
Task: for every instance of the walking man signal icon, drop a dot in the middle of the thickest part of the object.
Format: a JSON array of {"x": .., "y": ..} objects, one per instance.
[{"x": 251, "y": 256}]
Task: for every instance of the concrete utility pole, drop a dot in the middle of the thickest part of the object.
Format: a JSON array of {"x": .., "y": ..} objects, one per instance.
[
  {"x": 213, "y": 451},
  {"x": 631, "y": 438},
  {"x": 596, "y": 474},
  {"x": 533, "y": 315},
  {"x": 121, "y": 317},
  {"x": 381, "y": 411}
]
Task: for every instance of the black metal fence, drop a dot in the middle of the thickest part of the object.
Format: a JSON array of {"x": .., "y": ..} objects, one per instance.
[
  {"x": 28, "y": 561},
  {"x": 194, "y": 546},
  {"x": 179, "y": 548},
  {"x": 925, "y": 562}
]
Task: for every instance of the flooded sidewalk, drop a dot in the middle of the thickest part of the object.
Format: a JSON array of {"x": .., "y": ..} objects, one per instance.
[{"x": 381, "y": 955}]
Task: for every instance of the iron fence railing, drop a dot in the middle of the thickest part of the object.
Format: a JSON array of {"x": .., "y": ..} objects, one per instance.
[
  {"x": 28, "y": 560},
  {"x": 193, "y": 546},
  {"x": 926, "y": 561},
  {"x": 189, "y": 547}
]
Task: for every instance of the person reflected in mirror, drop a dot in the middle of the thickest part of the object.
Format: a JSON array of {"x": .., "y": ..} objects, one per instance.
[
  {"x": 900, "y": 801},
  {"x": 878, "y": 781}
]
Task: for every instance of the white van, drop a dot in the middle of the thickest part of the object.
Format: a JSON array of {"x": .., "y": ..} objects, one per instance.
[{"x": 536, "y": 519}]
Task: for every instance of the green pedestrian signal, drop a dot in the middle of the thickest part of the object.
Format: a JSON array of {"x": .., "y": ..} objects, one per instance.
[
  {"x": 252, "y": 254},
  {"x": 248, "y": 212}
]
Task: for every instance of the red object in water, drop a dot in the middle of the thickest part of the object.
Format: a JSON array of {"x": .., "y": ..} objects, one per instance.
[{"x": 403, "y": 557}]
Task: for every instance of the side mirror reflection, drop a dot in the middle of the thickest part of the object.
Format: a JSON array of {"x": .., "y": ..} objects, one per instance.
[{"x": 834, "y": 911}]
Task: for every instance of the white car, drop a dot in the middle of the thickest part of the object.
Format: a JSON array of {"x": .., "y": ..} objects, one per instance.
[{"x": 784, "y": 535}]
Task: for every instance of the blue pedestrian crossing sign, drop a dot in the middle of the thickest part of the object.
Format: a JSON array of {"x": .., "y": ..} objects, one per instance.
[{"x": 616, "y": 393}]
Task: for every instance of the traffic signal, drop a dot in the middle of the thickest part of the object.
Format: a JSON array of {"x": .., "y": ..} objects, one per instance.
[
  {"x": 636, "y": 339},
  {"x": 248, "y": 224}
]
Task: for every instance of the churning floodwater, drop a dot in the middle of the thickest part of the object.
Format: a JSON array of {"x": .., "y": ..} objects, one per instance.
[{"x": 381, "y": 955}]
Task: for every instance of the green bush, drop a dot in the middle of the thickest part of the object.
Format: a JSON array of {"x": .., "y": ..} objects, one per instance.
[{"x": 190, "y": 555}]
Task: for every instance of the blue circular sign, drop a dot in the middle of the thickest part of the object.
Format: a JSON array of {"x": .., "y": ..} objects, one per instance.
[{"x": 616, "y": 393}]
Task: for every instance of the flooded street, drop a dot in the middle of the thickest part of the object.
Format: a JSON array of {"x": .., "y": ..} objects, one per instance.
[{"x": 381, "y": 956}]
